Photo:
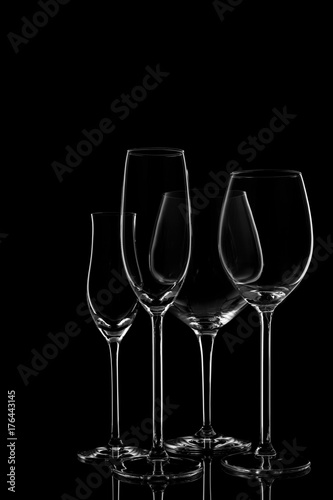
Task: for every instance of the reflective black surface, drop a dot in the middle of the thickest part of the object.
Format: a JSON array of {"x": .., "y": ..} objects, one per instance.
[{"x": 244, "y": 89}]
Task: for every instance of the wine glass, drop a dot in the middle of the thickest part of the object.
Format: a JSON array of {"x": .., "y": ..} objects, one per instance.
[
  {"x": 265, "y": 244},
  {"x": 156, "y": 247},
  {"x": 113, "y": 307},
  {"x": 206, "y": 302}
]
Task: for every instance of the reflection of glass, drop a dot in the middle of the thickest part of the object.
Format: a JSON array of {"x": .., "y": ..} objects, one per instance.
[
  {"x": 156, "y": 246},
  {"x": 207, "y": 478},
  {"x": 157, "y": 488},
  {"x": 260, "y": 487},
  {"x": 265, "y": 260},
  {"x": 263, "y": 485},
  {"x": 115, "y": 488},
  {"x": 113, "y": 307},
  {"x": 206, "y": 302}
]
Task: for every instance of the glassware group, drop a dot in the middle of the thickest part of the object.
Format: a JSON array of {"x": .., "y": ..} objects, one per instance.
[{"x": 251, "y": 244}]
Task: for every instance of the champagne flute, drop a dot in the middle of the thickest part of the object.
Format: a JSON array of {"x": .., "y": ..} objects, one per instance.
[
  {"x": 265, "y": 245},
  {"x": 206, "y": 302},
  {"x": 113, "y": 307},
  {"x": 156, "y": 247}
]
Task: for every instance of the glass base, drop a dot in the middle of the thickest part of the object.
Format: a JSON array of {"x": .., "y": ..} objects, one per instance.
[
  {"x": 111, "y": 454},
  {"x": 140, "y": 470},
  {"x": 196, "y": 445},
  {"x": 250, "y": 464}
]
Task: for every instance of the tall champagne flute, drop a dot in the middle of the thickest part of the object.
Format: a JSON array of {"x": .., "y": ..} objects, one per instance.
[
  {"x": 265, "y": 244},
  {"x": 113, "y": 307},
  {"x": 206, "y": 302},
  {"x": 156, "y": 246}
]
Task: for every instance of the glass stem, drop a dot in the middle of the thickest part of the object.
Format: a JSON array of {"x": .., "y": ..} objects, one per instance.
[
  {"x": 115, "y": 440},
  {"x": 265, "y": 447},
  {"x": 207, "y": 478},
  {"x": 157, "y": 451},
  {"x": 158, "y": 491},
  {"x": 206, "y": 343},
  {"x": 115, "y": 489},
  {"x": 266, "y": 489}
]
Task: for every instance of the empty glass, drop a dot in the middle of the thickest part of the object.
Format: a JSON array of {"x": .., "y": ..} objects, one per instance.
[
  {"x": 265, "y": 246},
  {"x": 156, "y": 247},
  {"x": 206, "y": 302},
  {"x": 113, "y": 307}
]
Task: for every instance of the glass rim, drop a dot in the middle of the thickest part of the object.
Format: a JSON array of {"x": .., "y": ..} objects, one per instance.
[
  {"x": 266, "y": 173},
  {"x": 155, "y": 151},
  {"x": 178, "y": 194},
  {"x": 112, "y": 214}
]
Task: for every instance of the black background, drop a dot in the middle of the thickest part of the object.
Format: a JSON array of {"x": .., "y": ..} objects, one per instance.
[{"x": 225, "y": 78}]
